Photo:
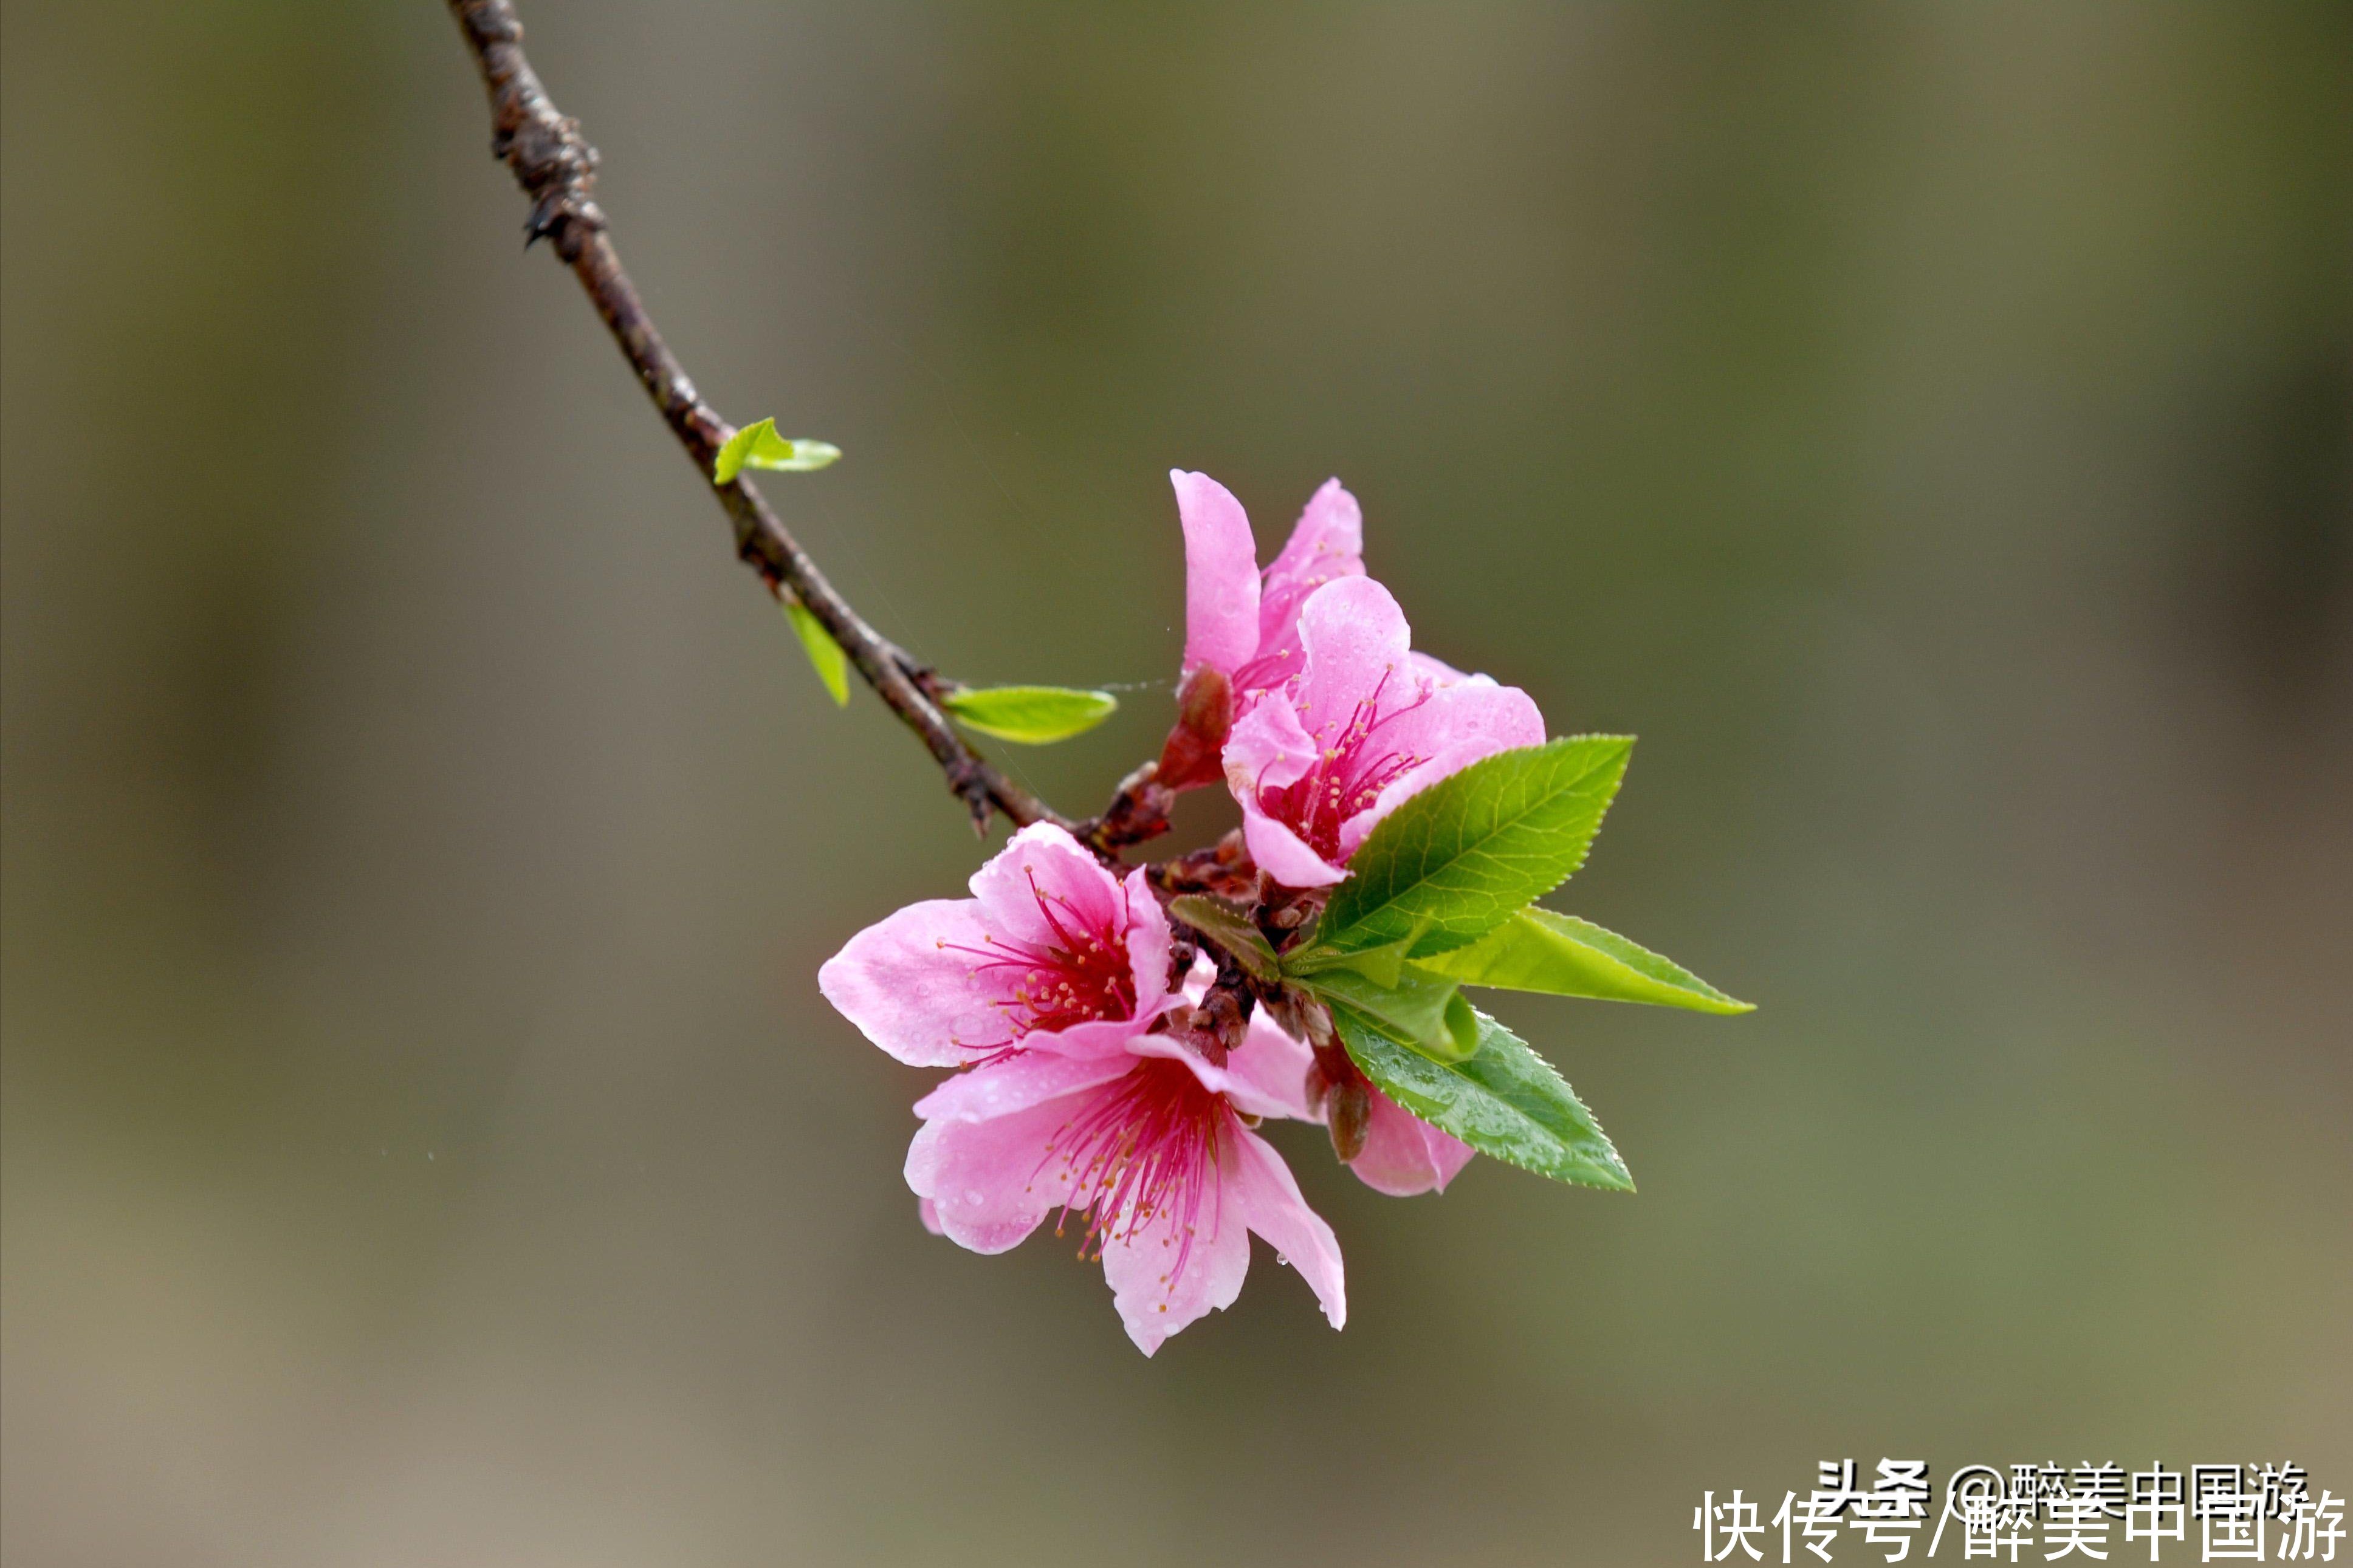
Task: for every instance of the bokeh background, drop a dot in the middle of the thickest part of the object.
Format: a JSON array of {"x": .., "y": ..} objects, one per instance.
[{"x": 1929, "y": 427}]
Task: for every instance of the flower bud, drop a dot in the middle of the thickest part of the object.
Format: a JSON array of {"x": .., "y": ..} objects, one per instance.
[
  {"x": 1347, "y": 1111},
  {"x": 1205, "y": 716}
]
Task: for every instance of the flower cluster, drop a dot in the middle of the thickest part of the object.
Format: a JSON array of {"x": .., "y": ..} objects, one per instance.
[{"x": 1110, "y": 1069}]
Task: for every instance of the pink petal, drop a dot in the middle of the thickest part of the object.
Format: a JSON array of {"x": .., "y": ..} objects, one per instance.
[
  {"x": 1437, "y": 671},
  {"x": 1356, "y": 640},
  {"x": 1448, "y": 1152},
  {"x": 1241, "y": 1088},
  {"x": 1282, "y": 854},
  {"x": 1473, "y": 711},
  {"x": 1097, "y": 1037},
  {"x": 1269, "y": 1196},
  {"x": 1155, "y": 1296},
  {"x": 904, "y": 985},
  {"x": 1404, "y": 1154},
  {"x": 1273, "y": 1067},
  {"x": 990, "y": 1183},
  {"x": 1454, "y": 727},
  {"x": 1268, "y": 750},
  {"x": 1148, "y": 943},
  {"x": 1328, "y": 543},
  {"x": 1019, "y": 1082},
  {"x": 929, "y": 1212},
  {"x": 1222, "y": 585},
  {"x": 1043, "y": 871}
]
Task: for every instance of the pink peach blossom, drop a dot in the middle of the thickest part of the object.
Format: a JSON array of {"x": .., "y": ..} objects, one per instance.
[
  {"x": 1045, "y": 985},
  {"x": 1339, "y": 722},
  {"x": 1362, "y": 725},
  {"x": 1146, "y": 1142},
  {"x": 1050, "y": 950},
  {"x": 1240, "y": 621},
  {"x": 1403, "y": 1154}
]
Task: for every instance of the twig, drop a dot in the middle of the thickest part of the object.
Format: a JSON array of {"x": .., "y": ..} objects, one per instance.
[{"x": 557, "y": 169}]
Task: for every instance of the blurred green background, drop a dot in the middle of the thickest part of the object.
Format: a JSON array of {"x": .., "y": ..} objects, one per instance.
[{"x": 1929, "y": 427}]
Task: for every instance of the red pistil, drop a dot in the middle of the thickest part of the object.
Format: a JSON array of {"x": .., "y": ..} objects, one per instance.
[
  {"x": 1146, "y": 1149},
  {"x": 1076, "y": 976},
  {"x": 1349, "y": 775}
]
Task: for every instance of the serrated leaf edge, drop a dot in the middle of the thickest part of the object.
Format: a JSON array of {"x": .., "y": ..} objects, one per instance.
[
  {"x": 1722, "y": 1003},
  {"x": 1584, "y": 851},
  {"x": 1546, "y": 1062}
]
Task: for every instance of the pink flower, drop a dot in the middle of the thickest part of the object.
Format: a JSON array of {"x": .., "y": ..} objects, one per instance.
[
  {"x": 1403, "y": 1154},
  {"x": 1392, "y": 1150},
  {"x": 1050, "y": 951},
  {"x": 1364, "y": 724},
  {"x": 1241, "y": 625},
  {"x": 1146, "y": 1145},
  {"x": 1238, "y": 621},
  {"x": 1047, "y": 983},
  {"x": 1339, "y": 722}
]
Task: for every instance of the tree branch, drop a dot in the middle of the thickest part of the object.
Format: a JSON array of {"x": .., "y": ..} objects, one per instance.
[{"x": 557, "y": 169}]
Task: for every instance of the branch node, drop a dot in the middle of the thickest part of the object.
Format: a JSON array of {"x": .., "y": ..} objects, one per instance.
[{"x": 968, "y": 779}]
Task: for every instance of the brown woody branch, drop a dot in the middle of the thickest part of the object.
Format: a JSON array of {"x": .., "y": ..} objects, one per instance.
[{"x": 557, "y": 169}]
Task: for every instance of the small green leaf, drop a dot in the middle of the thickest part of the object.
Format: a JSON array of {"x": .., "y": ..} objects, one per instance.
[
  {"x": 1504, "y": 1101},
  {"x": 1231, "y": 929},
  {"x": 1537, "y": 950},
  {"x": 1382, "y": 965},
  {"x": 759, "y": 446},
  {"x": 1033, "y": 715},
  {"x": 1421, "y": 1010},
  {"x": 832, "y": 664},
  {"x": 1466, "y": 854}
]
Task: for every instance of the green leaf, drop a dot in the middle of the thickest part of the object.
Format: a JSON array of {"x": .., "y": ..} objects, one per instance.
[
  {"x": 759, "y": 446},
  {"x": 1421, "y": 1010},
  {"x": 1033, "y": 715},
  {"x": 1231, "y": 929},
  {"x": 1381, "y": 965},
  {"x": 1537, "y": 950},
  {"x": 1504, "y": 1101},
  {"x": 832, "y": 664},
  {"x": 1466, "y": 854}
]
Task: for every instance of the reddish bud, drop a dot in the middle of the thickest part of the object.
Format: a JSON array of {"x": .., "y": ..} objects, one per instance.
[
  {"x": 1224, "y": 1017},
  {"x": 1347, "y": 1110},
  {"x": 1205, "y": 716},
  {"x": 1346, "y": 1095}
]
